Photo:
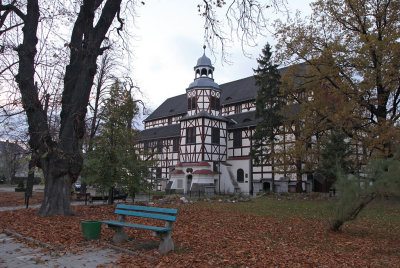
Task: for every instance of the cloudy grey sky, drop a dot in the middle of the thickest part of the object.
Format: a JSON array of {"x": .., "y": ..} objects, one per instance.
[{"x": 168, "y": 42}]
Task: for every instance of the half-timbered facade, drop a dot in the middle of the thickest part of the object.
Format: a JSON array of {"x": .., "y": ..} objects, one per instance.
[{"x": 202, "y": 139}]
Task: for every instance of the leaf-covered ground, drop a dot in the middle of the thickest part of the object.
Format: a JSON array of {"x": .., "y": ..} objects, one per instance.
[
  {"x": 8, "y": 199},
  {"x": 252, "y": 234}
]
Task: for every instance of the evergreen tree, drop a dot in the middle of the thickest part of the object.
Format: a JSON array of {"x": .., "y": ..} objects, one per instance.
[
  {"x": 335, "y": 153},
  {"x": 114, "y": 159},
  {"x": 268, "y": 109}
]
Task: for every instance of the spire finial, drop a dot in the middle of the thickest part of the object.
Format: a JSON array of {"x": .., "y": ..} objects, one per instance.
[{"x": 204, "y": 47}]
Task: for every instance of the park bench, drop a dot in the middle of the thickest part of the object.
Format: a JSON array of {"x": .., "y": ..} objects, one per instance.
[{"x": 164, "y": 233}]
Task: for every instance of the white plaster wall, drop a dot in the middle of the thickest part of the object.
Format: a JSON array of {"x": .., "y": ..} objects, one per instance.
[
  {"x": 245, "y": 165},
  {"x": 245, "y": 141}
]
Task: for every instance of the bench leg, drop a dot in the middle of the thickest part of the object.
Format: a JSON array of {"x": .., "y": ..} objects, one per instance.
[
  {"x": 119, "y": 235},
  {"x": 166, "y": 244}
]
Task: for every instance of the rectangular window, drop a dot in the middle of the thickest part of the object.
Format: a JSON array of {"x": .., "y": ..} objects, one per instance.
[
  {"x": 238, "y": 108},
  {"x": 237, "y": 138},
  {"x": 158, "y": 172},
  {"x": 212, "y": 102},
  {"x": 169, "y": 121},
  {"x": 215, "y": 166},
  {"x": 191, "y": 103},
  {"x": 215, "y": 137},
  {"x": 191, "y": 135},
  {"x": 194, "y": 103},
  {"x": 146, "y": 146},
  {"x": 180, "y": 184},
  {"x": 159, "y": 146},
  {"x": 175, "y": 146}
]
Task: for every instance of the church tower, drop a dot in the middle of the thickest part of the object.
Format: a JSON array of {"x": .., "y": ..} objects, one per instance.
[{"x": 203, "y": 129}]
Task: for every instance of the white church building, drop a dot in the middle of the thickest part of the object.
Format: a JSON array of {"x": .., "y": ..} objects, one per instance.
[{"x": 202, "y": 139}]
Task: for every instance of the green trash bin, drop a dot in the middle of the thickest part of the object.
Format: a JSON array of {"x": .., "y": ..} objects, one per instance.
[{"x": 91, "y": 229}]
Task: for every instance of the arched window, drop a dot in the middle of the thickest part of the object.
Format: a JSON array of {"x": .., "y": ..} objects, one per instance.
[
  {"x": 240, "y": 175},
  {"x": 204, "y": 72},
  {"x": 197, "y": 73}
]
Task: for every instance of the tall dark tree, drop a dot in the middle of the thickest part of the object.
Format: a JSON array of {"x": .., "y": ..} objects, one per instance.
[
  {"x": 268, "y": 109},
  {"x": 114, "y": 160}
]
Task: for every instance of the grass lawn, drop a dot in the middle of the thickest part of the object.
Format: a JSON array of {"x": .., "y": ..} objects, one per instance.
[{"x": 255, "y": 234}]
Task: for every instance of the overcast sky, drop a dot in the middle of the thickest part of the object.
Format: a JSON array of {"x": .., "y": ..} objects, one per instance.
[{"x": 168, "y": 42}]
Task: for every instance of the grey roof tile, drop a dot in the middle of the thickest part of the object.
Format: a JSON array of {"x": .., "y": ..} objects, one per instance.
[
  {"x": 170, "y": 107},
  {"x": 242, "y": 120},
  {"x": 160, "y": 132}
]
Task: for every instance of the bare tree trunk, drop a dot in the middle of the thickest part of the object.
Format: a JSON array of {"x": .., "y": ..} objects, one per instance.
[
  {"x": 299, "y": 187},
  {"x": 57, "y": 196},
  {"x": 30, "y": 181}
]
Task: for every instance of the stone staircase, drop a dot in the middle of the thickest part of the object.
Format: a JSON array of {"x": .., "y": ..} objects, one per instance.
[{"x": 232, "y": 178}]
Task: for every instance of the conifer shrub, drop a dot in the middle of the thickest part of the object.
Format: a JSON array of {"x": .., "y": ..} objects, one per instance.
[{"x": 381, "y": 177}]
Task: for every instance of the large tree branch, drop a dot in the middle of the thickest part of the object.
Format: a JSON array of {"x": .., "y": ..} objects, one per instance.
[
  {"x": 40, "y": 139},
  {"x": 10, "y": 8},
  {"x": 110, "y": 9}
]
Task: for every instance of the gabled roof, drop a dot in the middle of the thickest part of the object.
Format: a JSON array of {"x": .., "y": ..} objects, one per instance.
[
  {"x": 238, "y": 91},
  {"x": 160, "y": 132},
  {"x": 170, "y": 107}
]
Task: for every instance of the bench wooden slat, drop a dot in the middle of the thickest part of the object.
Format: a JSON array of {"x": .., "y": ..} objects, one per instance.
[
  {"x": 138, "y": 226},
  {"x": 149, "y": 209},
  {"x": 145, "y": 215}
]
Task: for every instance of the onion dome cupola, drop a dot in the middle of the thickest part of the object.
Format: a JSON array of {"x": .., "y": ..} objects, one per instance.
[
  {"x": 204, "y": 67},
  {"x": 204, "y": 73}
]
